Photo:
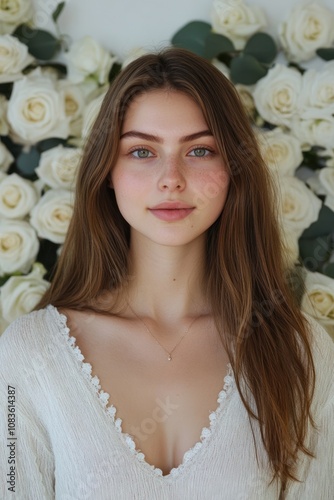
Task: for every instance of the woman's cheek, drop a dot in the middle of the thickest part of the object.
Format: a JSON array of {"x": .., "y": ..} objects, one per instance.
[{"x": 212, "y": 188}]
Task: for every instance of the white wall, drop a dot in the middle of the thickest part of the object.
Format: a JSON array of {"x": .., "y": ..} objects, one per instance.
[{"x": 121, "y": 25}]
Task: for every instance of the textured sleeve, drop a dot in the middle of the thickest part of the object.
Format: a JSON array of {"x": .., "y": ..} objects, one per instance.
[
  {"x": 317, "y": 474},
  {"x": 26, "y": 463},
  {"x": 318, "y": 481},
  {"x": 26, "y": 458}
]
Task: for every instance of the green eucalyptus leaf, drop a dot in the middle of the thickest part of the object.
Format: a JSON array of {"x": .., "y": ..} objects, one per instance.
[
  {"x": 44, "y": 45},
  {"x": 193, "y": 37},
  {"x": 27, "y": 162},
  {"x": 13, "y": 147},
  {"x": 323, "y": 226},
  {"x": 6, "y": 89},
  {"x": 47, "y": 256},
  {"x": 327, "y": 53},
  {"x": 58, "y": 10},
  {"x": 41, "y": 44},
  {"x": 262, "y": 47},
  {"x": 328, "y": 269},
  {"x": 3, "y": 279},
  {"x": 23, "y": 32},
  {"x": 314, "y": 161},
  {"x": 246, "y": 69},
  {"x": 225, "y": 58},
  {"x": 49, "y": 144},
  {"x": 115, "y": 69},
  {"x": 314, "y": 252},
  {"x": 216, "y": 44}
]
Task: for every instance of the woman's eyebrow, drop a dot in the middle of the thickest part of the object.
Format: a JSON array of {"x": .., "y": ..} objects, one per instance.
[{"x": 154, "y": 138}]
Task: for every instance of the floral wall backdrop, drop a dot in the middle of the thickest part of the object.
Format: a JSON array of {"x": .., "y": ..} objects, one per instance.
[
  {"x": 51, "y": 86},
  {"x": 123, "y": 25}
]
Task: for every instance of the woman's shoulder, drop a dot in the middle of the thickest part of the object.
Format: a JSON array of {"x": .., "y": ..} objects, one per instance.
[
  {"x": 322, "y": 347},
  {"x": 22, "y": 327},
  {"x": 321, "y": 343},
  {"x": 26, "y": 340}
]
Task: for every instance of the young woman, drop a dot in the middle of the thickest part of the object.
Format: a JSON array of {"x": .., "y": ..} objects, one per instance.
[{"x": 169, "y": 358}]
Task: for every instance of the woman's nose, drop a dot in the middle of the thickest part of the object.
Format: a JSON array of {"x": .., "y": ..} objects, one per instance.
[{"x": 172, "y": 177}]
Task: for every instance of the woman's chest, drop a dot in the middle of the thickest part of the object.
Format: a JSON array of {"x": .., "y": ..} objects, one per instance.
[
  {"x": 165, "y": 417},
  {"x": 164, "y": 405}
]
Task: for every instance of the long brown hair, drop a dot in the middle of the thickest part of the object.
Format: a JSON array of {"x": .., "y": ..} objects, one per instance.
[{"x": 258, "y": 318}]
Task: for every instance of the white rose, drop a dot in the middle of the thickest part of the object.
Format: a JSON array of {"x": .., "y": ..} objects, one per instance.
[
  {"x": 326, "y": 177},
  {"x": 90, "y": 114},
  {"x": 17, "y": 197},
  {"x": 280, "y": 151},
  {"x": 314, "y": 183},
  {"x": 329, "y": 153},
  {"x": 19, "y": 246},
  {"x": 4, "y": 127},
  {"x": 6, "y": 158},
  {"x": 2, "y": 176},
  {"x": 59, "y": 250},
  {"x": 52, "y": 215},
  {"x": 58, "y": 167},
  {"x": 20, "y": 294},
  {"x": 277, "y": 94},
  {"x": 3, "y": 322},
  {"x": 308, "y": 28},
  {"x": 318, "y": 301},
  {"x": 247, "y": 99},
  {"x": 299, "y": 206},
  {"x": 14, "y": 57},
  {"x": 74, "y": 99},
  {"x": 330, "y": 160},
  {"x": 317, "y": 96},
  {"x": 39, "y": 186},
  {"x": 236, "y": 20},
  {"x": 87, "y": 57},
  {"x": 89, "y": 87},
  {"x": 315, "y": 132},
  {"x": 36, "y": 109},
  {"x": 132, "y": 55},
  {"x": 329, "y": 202},
  {"x": 13, "y": 13},
  {"x": 291, "y": 248},
  {"x": 222, "y": 67},
  {"x": 74, "y": 106}
]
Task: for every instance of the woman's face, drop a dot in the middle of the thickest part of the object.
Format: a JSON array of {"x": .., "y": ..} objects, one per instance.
[{"x": 170, "y": 181}]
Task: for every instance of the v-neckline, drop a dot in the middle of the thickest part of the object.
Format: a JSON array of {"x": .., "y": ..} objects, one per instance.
[{"x": 111, "y": 410}]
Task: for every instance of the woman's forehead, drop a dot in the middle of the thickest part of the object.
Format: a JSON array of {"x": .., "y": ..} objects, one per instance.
[{"x": 161, "y": 109}]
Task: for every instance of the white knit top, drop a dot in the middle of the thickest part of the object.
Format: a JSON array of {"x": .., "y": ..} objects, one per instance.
[{"x": 70, "y": 446}]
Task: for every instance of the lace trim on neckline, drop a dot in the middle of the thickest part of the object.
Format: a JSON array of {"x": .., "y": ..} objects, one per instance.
[{"x": 111, "y": 410}]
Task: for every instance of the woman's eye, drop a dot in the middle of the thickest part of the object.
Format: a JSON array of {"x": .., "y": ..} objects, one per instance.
[
  {"x": 141, "y": 153},
  {"x": 200, "y": 152}
]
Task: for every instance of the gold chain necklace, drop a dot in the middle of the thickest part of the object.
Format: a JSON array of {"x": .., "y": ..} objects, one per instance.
[{"x": 149, "y": 331}]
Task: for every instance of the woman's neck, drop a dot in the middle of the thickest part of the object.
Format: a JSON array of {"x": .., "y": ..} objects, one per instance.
[{"x": 167, "y": 282}]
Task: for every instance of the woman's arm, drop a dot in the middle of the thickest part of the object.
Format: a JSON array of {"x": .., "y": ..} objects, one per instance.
[
  {"x": 26, "y": 461},
  {"x": 318, "y": 477},
  {"x": 26, "y": 458}
]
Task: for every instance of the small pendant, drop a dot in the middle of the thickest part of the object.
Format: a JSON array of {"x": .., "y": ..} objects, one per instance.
[{"x": 169, "y": 358}]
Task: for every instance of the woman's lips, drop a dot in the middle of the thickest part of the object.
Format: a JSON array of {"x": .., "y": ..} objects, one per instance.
[
  {"x": 171, "y": 214},
  {"x": 171, "y": 211}
]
